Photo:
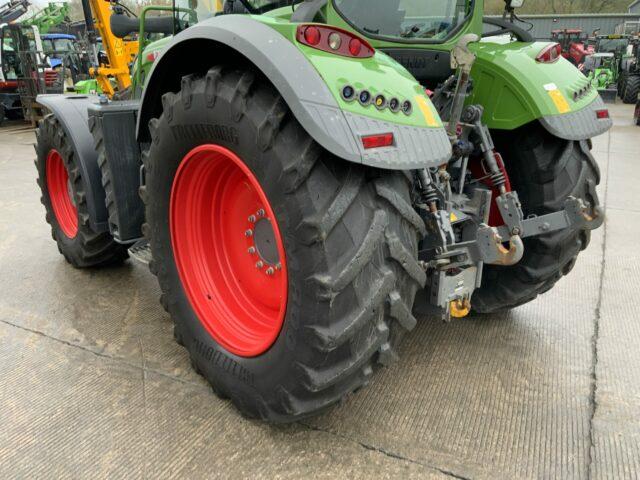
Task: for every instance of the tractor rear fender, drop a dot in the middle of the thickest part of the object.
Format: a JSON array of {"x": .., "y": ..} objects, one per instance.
[
  {"x": 239, "y": 38},
  {"x": 72, "y": 113},
  {"x": 515, "y": 89}
]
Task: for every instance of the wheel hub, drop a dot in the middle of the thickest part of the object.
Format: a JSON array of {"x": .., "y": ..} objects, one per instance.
[{"x": 263, "y": 243}]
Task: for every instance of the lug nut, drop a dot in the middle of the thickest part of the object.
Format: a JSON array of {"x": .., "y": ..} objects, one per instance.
[
  {"x": 278, "y": 266},
  {"x": 259, "y": 264},
  {"x": 260, "y": 213},
  {"x": 248, "y": 233},
  {"x": 252, "y": 250},
  {"x": 270, "y": 271},
  {"x": 252, "y": 219}
]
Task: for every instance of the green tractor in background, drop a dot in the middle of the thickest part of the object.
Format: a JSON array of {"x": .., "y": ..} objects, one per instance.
[
  {"x": 53, "y": 15},
  {"x": 304, "y": 176},
  {"x": 604, "y": 67},
  {"x": 602, "y": 71}
]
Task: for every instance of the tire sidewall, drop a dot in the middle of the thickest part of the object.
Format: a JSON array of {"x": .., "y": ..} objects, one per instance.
[
  {"x": 178, "y": 134},
  {"x": 47, "y": 141}
]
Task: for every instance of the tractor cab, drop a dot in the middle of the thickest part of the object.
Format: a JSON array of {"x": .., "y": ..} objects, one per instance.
[
  {"x": 419, "y": 35},
  {"x": 58, "y": 45},
  {"x": 616, "y": 44},
  {"x": 574, "y": 44},
  {"x": 599, "y": 61},
  {"x": 567, "y": 36}
]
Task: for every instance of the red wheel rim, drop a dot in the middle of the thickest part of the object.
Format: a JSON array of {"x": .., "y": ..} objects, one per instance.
[
  {"x": 60, "y": 194},
  {"x": 228, "y": 250}
]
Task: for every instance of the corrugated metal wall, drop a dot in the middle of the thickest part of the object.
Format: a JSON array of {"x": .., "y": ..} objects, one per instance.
[{"x": 544, "y": 24}]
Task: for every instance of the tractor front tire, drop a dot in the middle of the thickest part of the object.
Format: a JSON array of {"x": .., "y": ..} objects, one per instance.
[
  {"x": 332, "y": 271},
  {"x": 64, "y": 198},
  {"x": 545, "y": 171},
  {"x": 631, "y": 89}
]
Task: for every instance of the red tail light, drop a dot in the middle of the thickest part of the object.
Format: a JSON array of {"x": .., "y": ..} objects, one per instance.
[
  {"x": 377, "y": 141},
  {"x": 602, "y": 114},
  {"x": 334, "y": 40},
  {"x": 550, "y": 54}
]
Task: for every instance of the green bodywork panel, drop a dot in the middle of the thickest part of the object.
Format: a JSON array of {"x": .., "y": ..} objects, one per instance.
[
  {"x": 379, "y": 74},
  {"x": 515, "y": 89},
  {"x": 149, "y": 54},
  {"x": 508, "y": 82},
  {"x": 602, "y": 78},
  {"x": 87, "y": 87}
]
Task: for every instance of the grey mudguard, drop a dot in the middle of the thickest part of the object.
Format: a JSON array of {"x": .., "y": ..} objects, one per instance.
[
  {"x": 309, "y": 98},
  {"x": 580, "y": 125},
  {"x": 71, "y": 111}
]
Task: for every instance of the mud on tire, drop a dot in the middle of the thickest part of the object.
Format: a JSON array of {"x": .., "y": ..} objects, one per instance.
[
  {"x": 87, "y": 248},
  {"x": 350, "y": 237},
  {"x": 544, "y": 170}
]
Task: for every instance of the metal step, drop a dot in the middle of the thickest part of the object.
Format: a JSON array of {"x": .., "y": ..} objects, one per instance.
[{"x": 141, "y": 251}]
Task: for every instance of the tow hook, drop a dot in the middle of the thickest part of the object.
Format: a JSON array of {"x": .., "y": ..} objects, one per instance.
[
  {"x": 493, "y": 251},
  {"x": 460, "y": 308},
  {"x": 578, "y": 213}
]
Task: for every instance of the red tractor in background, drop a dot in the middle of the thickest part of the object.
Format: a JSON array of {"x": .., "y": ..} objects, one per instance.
[{"x": 573, "y": 43}]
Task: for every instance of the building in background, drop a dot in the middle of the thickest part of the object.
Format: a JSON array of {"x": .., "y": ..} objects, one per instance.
[{"x": 607, "y": 23}]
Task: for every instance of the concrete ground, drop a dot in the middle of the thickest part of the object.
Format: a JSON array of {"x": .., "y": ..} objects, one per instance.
[{"x": 93, "y": 385}]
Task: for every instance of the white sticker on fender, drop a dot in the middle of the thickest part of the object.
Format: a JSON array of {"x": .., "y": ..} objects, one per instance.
[{"x": 549, "y": 87}]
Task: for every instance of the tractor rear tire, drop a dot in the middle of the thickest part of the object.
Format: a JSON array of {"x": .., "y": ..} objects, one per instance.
[
  {"x": 64, "y": 198},
  {"x": 631, "y": 89},
  {"x": 348, "y": 233},
  {"x": 544, "y": 170}
]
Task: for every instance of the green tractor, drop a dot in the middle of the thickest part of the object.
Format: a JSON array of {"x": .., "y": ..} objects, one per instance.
[
  {"x": 605, "y": 67},
  {"x": 602, "y": 71},
  {"x": 304, "y": 176}
]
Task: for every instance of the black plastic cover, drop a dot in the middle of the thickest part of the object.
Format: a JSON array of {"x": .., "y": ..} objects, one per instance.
[{"x": 115, "y": 125}]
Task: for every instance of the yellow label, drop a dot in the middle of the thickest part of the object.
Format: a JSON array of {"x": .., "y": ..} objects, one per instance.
[
  {"x": 119, "y": 48},
  {"x": 426, "y": 110},
  {"x": 454, "y": 217},
  {"x": 561, "y": 102}
]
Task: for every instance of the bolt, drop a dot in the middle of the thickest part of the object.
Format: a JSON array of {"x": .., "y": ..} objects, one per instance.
[
  {"x": 270, "y": 271},
  {"x": 545, "y": 227},
  {"x": 252, "y": 250},
  {"x": 248, "y": 233},
  {"x": 252, "y": 218},
  {"x": 515, "y": 231},
  {"x": 259, "y": 264},
  {"x": 260, "y": 213},
  {"x": 278, "y": 266}
]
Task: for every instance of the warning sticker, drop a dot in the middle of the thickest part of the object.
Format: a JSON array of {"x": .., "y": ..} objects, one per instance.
[{"x": 560, "y": 101}]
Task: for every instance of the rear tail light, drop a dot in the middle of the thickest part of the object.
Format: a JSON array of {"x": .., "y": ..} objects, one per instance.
[
  {"x": 377, "y": 141},
  {"x": 602, "y": 114},
  {"x": 334, "y": 40},
  {"x": 550, "y": 54},
  {"x": 312, "y": 36}
]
